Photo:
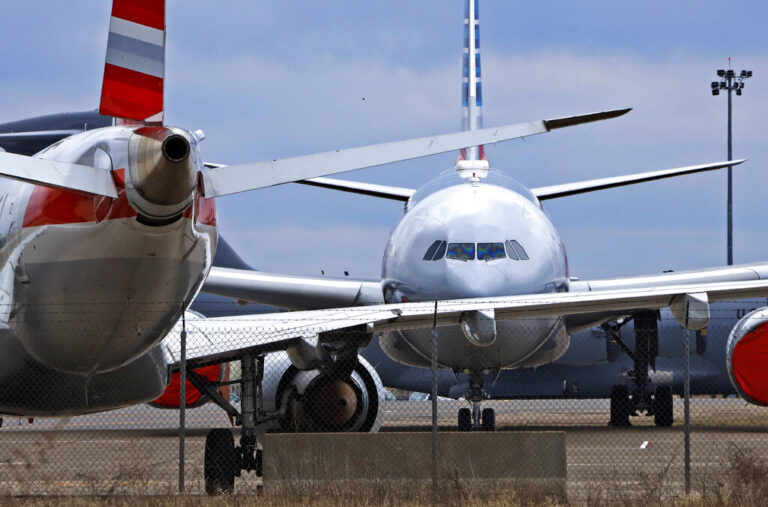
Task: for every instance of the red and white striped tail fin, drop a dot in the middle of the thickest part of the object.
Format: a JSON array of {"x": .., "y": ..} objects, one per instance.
[{"x": 135, "y": 65}]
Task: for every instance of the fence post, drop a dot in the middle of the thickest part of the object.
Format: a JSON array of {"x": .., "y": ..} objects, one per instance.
[
  {"x": 182, "y": 399},
  {"x": 687, "y": 405},
  {"x": 434, "y": 403}
]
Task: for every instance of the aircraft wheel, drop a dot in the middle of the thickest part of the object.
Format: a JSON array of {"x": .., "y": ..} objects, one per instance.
[
  {"x": 663, "y": 415},
  {"x": 489, "y": 419},
  {"x": 465, "y": 419},
  {"x": 620, "y": 406},
  {"x": 219, "y": 464}
]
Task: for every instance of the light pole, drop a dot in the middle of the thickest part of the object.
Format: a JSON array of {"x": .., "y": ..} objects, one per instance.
[{"x": 732, "y": 82}]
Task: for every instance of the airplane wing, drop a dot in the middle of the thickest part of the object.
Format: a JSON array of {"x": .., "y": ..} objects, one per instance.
[
  {"x": 225, "y": 180},
  {"x": 549, "y": 192},
  {"x": 220, "y": 339},
  {"x": 57, "y": 174},
  {"x": 291, "y": 292},
  {"x": 580, "y": 187}
]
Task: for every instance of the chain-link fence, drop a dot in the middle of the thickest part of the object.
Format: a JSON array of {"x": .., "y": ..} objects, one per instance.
[{"x": 612, "y": 393}]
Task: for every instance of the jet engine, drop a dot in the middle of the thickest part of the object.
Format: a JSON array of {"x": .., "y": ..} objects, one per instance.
[
  {"x": 311, "y": 400},
  {"x": 747, "y": 357},
  {"x": 161, "y": 172}
]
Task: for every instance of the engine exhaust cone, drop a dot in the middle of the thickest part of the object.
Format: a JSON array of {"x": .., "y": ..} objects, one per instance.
[{"x": 162, "y": 171}]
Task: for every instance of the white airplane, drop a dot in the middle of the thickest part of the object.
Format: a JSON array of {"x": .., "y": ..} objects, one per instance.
[
  {"x": 475, "y": 234},
  {"x": 108, "y": 235}
]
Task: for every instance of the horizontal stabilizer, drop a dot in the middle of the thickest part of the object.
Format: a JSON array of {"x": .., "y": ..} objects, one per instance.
[
  {"x": 580, "y": 187},
  {"x": 240, "y": 178},
  {"x": 51, "y": 173}
]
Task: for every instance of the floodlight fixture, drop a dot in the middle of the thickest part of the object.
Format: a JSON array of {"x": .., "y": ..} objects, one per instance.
[{"x": 720, "y": 73}]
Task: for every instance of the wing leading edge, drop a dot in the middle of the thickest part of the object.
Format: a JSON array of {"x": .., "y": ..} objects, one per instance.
[{"x": 225, "y": 337}]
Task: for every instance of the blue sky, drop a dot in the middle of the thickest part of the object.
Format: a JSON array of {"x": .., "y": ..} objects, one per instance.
[{"x": 275, "y": 79}]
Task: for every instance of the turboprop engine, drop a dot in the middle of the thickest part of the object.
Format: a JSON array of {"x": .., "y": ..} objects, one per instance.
[
  {"x": 747, "y": 357},
  {"x": 161, "y": 172}
]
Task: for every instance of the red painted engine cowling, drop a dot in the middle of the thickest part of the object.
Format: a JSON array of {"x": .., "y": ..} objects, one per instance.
[
  {"x": 194, "y": 398},
  {"x": 747, "y": 357}
]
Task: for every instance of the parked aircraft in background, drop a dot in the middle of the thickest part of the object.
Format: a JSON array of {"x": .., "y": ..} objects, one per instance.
[
  {"x": 108, "y": 235},
  {"x": 474, "y": 232}
]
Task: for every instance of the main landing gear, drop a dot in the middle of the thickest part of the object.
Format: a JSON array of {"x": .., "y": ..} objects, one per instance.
[
  {"x": 478, "y": 418},
  {"x": 223, "y": 460},
  {"x": 625, "y": 403}
]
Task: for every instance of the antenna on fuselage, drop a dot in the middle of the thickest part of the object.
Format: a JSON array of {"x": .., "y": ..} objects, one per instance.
[{"x": 472, "y": 163}]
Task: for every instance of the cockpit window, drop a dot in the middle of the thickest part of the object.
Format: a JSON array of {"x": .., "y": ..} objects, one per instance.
[
  {"x": 511, "y": 251},
  {"x": 461, "y": 251},
  {"x": 431, "y": 251},
  {"x": 490, "y": 251},
  {"x": 440, "y": 251},
  {"x": 436, "y": 251},
  {"x": 519, "y": 249}
]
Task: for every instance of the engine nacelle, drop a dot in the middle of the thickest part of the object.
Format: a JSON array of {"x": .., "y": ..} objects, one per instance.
[
  {"x": 309, "y": 400},
  {"x": 747, "y": 357}
]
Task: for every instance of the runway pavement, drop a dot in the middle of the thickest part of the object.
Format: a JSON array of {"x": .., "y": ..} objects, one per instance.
[{"x": 135, "y": 450}]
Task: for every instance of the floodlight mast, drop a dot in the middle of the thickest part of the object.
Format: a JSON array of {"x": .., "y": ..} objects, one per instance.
[{"x": 731, "y": 82}]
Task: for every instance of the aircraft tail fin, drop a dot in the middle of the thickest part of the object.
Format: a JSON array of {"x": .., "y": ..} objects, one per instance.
[
  {"x": 471, "y": 88},
  {"x": 134, "y": 70}
]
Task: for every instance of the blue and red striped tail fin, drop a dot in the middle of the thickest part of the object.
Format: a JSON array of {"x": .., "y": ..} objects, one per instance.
[
  {"x": 134, "y": 70},
  {"x": 471, "y": 89}
]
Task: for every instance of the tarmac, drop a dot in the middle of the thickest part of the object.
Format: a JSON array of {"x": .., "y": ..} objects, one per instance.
[{"x": 136, "y": 450}]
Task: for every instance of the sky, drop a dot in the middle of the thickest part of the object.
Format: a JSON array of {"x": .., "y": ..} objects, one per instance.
[{"x": 276, "y": 79}]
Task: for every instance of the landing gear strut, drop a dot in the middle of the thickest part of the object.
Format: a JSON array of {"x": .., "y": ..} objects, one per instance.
[
  {"x": 625, "y": 403},
  {"x": 224, "y": 461},
  {"x": 478, "y": 418}
]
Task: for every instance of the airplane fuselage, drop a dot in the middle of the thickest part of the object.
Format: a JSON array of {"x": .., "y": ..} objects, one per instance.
[
  {"x": 461, "y": 239},
  {"x": 89, "y": 287}
]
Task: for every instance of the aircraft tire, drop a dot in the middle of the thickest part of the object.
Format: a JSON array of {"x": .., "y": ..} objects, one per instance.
[
  {"x": 663, "y": 414},
  {"x": 219, "y": 462},
  {"x": 620, "y": 406},
  {"x": 489, "y": 419},
  {"x": 465, "y": 419}
]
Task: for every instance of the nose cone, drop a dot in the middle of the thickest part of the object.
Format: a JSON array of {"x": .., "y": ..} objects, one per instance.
[{"x": 162, "y": 171}]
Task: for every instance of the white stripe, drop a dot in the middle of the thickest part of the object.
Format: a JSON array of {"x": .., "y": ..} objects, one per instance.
[
  {"x": 644, "y": 445},
  {"x": 136, "y": 31},
  {"x": 135, "y": 62}
]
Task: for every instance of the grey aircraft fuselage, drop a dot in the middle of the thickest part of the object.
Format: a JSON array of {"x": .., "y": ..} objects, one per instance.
[
  {"x": 492, "y": 238},
  {"x": 593, "y": 364}
]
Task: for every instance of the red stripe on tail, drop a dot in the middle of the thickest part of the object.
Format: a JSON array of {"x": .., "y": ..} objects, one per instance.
[
  {"x": 145, "y": 12},
  {"x": 130, "y": 94}
]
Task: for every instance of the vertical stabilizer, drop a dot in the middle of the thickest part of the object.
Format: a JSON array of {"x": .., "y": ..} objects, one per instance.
[
  {"x": 471, "y": 92},
  {"x": 134, "y": 70}
]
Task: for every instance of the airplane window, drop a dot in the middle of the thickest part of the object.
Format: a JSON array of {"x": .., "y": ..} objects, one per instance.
[
  {"x": 431, "y": 251},
  {"x": 511, "y": 251},
  {"x": 490, "y": 251},
  {"x": 519, "y": 249},
  {"x": 440, "y": 251},
  {"x": 461, "y": 251}
]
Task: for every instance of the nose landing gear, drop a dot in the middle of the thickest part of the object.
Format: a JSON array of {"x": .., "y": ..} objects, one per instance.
[{"x": 478, "y": 419}]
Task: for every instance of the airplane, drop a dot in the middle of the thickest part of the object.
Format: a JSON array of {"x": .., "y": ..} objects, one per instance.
[
  {"x": 108, "y": 235},
  {"x": 455, "y": 241}
]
